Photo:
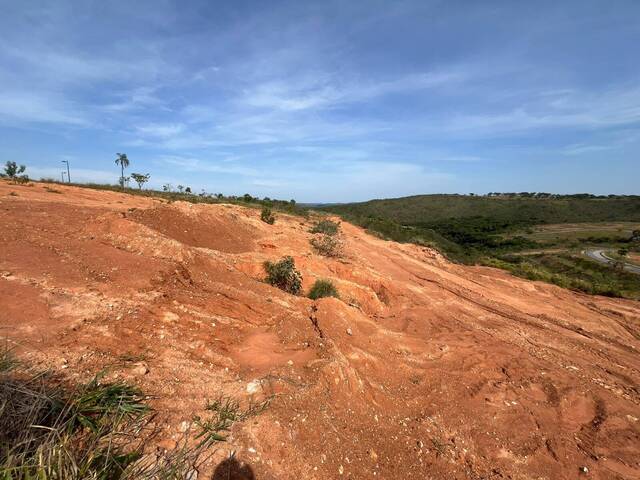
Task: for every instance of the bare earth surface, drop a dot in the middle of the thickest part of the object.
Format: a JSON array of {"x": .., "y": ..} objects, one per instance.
[{"x": 423, "y": 369}]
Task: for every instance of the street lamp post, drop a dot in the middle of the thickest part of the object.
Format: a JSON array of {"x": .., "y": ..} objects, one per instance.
[{"x": 68, "y": 173}]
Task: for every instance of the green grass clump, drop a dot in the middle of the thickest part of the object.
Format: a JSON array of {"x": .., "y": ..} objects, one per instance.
[
  {"x": 283, "y": 274},
  {"x": 323, "y": 288},
  {"x": 327, "y": 227},
  {"x": 52, "y": 430}
]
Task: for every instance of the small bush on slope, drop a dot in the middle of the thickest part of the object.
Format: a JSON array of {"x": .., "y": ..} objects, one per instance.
[
  {"x": 327, "y": 245},
  {"x": 283, "y": 274},
  {"x": 323, "y": 288},
  {"x": 327, "y": 227},
  {"x": 267, "y": 216}
]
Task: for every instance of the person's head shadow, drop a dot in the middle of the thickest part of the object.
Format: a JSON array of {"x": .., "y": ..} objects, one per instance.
[{"x": 232, "y": 469}]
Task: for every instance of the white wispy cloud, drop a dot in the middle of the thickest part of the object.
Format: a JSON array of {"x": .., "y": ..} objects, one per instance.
[{"x": 33, "y": 107}]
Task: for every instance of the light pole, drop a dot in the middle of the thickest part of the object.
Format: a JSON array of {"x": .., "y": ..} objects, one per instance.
[{"x": 68, "y": 174}]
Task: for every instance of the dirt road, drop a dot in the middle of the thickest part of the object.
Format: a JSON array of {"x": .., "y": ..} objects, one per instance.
[
  {"x": 600, "y": 255},
  {"x": 422, "y": 369}
]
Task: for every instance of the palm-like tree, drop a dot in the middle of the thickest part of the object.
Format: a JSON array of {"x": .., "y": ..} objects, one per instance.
[{"x": 124, "y": 163}]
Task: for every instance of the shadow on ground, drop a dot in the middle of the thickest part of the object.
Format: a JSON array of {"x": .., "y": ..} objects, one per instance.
[{"x": 232, "y": 469}]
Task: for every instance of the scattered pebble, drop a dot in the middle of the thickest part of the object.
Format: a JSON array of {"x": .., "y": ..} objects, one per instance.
[{"x": 349, "y": 331}]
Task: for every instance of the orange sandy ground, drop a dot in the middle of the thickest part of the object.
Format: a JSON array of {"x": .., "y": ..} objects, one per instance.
[{"x": 422, "y": 369}]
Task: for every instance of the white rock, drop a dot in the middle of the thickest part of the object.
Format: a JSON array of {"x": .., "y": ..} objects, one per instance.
[{"x": 253, "y": 387}]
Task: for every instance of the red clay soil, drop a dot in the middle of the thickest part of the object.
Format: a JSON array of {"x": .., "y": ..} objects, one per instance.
[{"x": 422, "y": 369}]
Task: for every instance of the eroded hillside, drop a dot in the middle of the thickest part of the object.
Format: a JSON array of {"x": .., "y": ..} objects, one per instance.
[{"x": 422, "y": 369}]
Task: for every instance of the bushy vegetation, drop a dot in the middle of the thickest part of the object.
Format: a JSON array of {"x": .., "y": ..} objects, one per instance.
[
  {"x": 267, "y": 216},
  {"x": 571, "y": 271},
  {"x": 327, "y": 227},
  {"x": 323, "y": 288},
  {"x": 140, "y": 178},
  {"x": 14, "y": 172},
  {"x": 50, "y": 429},
  {"x": 328, "y": 245},
  {"x": 283, "y": 274}
]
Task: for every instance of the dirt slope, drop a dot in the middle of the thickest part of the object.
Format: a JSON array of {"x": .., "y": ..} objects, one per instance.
[{"x": 423, "y": 369}]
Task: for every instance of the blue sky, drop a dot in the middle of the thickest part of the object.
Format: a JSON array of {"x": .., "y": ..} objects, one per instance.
[{"x": 327, "y": 101}]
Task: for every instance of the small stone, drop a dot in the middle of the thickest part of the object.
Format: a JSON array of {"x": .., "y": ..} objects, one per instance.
[
  {"x": 253, "y": 387},
  {"x": 191, "y": 475},
  {"x": 373, "y": 455},
  {"x": 184, "y": 427},
  {"x": 290, "y": 362},
  {"x": 340, "y": 469},
  {"x": 140, "y": 369},
  {"x": 584, "y": 470},
  {"x": 349, "y": 331}
]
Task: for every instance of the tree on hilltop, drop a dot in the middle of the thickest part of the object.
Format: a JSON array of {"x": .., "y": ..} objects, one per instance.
[
  {"x": 140, "y": 179},
  {"x": 123, "y": 161},
  {"x": 13, "y": 171}
]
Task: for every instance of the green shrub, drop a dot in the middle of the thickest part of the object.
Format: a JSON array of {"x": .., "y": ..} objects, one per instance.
[
  {"x": 327, "y": 245},
  {"x": 267, "y": 216},
  {"x": 283, "y": 274},
  {"x": 327, "y": 227},
  {"x": 323, "y": 288}
]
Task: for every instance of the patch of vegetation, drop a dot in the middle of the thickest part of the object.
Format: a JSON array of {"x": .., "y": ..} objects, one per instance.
[
  {"x": 224, "y": 411},
  {"x": 50, "y": 429},
  {"x": 140, "y": 179},
  {"x": 51, "y": 190},
  {"x": 327, "y": 245},
  {"x": 327, "y": 227},
  {"x": 323, "y": 288},
  {"x": 283, "y": 274},
  {"x": 267, "y": 216},
  {"x": 13, "y": 172},
  {"x": 571, "y": 271}
]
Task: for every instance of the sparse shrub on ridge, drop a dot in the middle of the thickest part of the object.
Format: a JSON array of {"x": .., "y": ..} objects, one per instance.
[
  {"x": 267, "y": 216},
  {"x": 327, "y": 245},
  {"x": 323, "y": 288},
  {"x": 327, "y": 227},
  {"x": 283, "y": 274}
]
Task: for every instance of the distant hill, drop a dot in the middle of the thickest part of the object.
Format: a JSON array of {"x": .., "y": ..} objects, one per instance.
[
  {"x": 508, "y": 208},
  {"x": 469, "y": 228}
]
